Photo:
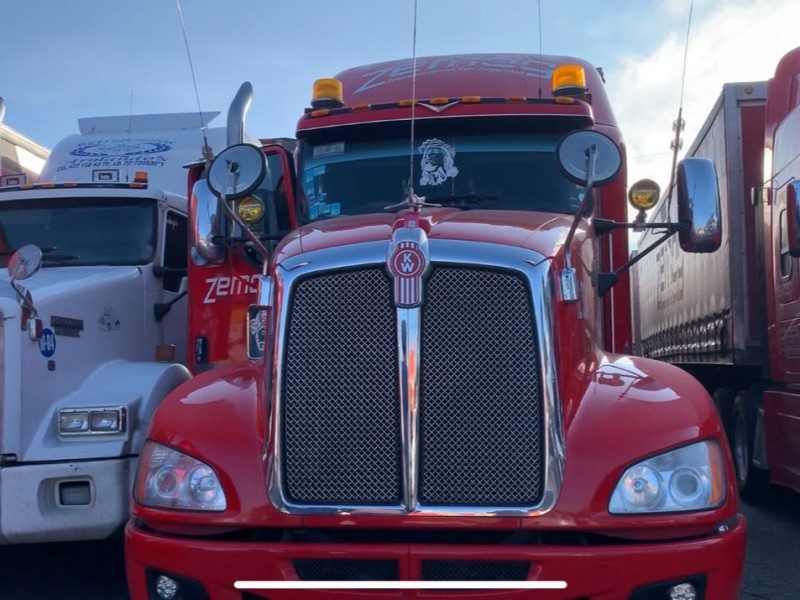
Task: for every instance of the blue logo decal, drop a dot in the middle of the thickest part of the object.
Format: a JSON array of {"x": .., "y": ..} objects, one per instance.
[
  {"x": 121, "y": 147},
  {"x": 47, "y": 343}
]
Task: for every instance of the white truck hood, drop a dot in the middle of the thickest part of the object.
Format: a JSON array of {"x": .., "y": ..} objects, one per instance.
[{"x": 90, "y": 315}]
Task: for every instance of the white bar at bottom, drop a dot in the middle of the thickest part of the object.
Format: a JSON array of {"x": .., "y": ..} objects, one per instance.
[{"x": 400, "y": 585}]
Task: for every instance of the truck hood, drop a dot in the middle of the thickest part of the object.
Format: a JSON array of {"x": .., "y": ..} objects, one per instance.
[
  {"x": 542, "y": 232},
  {"x": 90, "y": 315},
  {"x": 51, "y": 282}
]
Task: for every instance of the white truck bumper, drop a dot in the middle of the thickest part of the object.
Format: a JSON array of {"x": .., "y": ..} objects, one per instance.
[{"x": 64, "y": 501}]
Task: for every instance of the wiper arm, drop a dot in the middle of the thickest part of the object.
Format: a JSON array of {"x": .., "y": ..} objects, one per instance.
[
  {"x": 60, "y": 258},
  {"x": 461, "y": 200},
  {"x": 45, "y": 250}
]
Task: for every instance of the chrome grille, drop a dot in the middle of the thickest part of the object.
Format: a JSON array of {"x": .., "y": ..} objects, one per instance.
[
  {"x": 480, "y": 407},
  {"x": 480, "y": 436},
  {"x": 341, "y": 421}
]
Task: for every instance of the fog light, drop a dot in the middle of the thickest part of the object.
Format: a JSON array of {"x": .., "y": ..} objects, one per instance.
[
  {"x": 166, "y": 587},
  {"x": 683, "y": 591},
  {"x": 73, "y": 421}
]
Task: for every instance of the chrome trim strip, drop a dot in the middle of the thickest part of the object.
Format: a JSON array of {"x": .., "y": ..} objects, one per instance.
[
  {"x": 408, "y": 334},
  {"x": 530, "y": 265}
]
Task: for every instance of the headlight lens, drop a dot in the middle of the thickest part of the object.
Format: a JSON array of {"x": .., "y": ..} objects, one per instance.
[
  {"x": 689, "y": 478},
  {"x": 170, "y": 479}
]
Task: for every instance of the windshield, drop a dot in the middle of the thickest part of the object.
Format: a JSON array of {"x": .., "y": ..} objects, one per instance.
[
  {"x": 487, "y": 170},
  {"x": 80, "y": 231}
]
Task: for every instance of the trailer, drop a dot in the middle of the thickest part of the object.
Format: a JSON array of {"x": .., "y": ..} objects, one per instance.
[{"x": 730, "y": 319}]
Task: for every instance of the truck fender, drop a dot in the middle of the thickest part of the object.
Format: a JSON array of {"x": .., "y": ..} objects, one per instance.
[{"x": 139, "y": 387}]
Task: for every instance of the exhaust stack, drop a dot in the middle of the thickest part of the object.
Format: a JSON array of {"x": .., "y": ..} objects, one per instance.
[{"x": 237, "y": 113}]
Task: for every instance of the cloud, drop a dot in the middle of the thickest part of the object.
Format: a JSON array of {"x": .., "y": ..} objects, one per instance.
[{"x": 736, "y": 43}]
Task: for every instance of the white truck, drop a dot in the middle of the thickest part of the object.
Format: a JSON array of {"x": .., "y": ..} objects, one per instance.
[{"x": 91, "y": 341}]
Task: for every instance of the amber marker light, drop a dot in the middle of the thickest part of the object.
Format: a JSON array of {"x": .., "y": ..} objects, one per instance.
[
  {"x": 569, "y": 80},
  {"x": 250, "y": 209},
  {"x": 327, "y": 94},
  {"x": 644, "y": 194}
]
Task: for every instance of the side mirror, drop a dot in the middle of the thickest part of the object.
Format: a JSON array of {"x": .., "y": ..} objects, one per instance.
[
  {"x": 237, "y": 171},
  {"x": 24, "y": 262},
  {"x": 204, "y": 215},
  {"x": 699, "y": 225},
  {"x": 234, "y": 173},
  {"x": 699, "y": 206},
  {"x": 793, "y": 217},
  {"x": 589, "y": 157}
]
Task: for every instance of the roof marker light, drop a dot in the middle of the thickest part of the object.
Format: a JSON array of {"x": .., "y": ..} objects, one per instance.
[
  {"x": 327, "y": 94},
  {"x": 569, "y": 80},
  {"x": 140, "y": 177}
]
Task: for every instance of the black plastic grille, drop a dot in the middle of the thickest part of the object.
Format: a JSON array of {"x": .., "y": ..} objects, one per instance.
[
  {"x": 349, "y": 569},
  {"x": 341, "y": 421},
  {"x": 475, "y": 570},
  {"x": 480, "y": 406}
]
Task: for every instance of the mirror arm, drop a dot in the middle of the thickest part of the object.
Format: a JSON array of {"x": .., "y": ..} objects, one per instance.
[
  {"x": 161, "y": 309},
  {"x": 605, "y": 281},
  {"x": 591, "y": 153},
  {"x": 603, "y": 226}
]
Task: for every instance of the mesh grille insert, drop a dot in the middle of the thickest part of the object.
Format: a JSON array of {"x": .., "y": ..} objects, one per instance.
[
  {"x": 475, "y": 570},
  {"x": 347, "y": 569},
  {"x": 480, "y": 406},
  {"x": 341, "y": 411}
]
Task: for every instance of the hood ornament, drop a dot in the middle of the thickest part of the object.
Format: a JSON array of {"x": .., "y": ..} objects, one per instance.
[{"x": 408, "y": 261}]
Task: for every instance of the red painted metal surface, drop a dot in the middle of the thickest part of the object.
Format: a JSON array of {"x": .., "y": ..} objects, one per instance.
[
  {"x": 224, "y": 418},
  {"x": 609, "y": 572},
  {"x": 616, "y": 410},
  {"x": 219, "y": 294}
]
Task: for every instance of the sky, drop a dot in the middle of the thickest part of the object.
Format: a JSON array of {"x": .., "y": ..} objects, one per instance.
[{"x": 63, "y": 60}]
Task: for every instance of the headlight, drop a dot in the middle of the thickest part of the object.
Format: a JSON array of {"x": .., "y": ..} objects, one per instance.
[
  {"x": 689, "y": 478},
  {"x": 91, "y": 421},
  {"x": 167, "y": 478}
]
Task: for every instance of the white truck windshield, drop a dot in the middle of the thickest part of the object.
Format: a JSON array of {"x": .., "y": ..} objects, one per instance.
[{"x": 81, "y": 231}]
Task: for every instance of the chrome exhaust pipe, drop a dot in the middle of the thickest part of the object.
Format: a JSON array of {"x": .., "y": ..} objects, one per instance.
[{"x": 237, "y": 113}]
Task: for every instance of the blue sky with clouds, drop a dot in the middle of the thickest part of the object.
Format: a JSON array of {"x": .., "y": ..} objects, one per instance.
[{"x": 62, "y": 60}]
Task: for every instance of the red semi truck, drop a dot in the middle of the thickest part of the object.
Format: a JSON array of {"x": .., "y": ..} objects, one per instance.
[
  {"x": 421, "y": 380},
  {"x": 730, "y": 318}
]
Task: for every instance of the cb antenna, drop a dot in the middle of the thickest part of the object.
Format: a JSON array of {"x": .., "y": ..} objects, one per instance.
[
  {"x": 208, "y": 153},
  {"x": 411, "y": 199},
  {"x": 678, "y": 125},
  {"x": 541, "y": 62}
]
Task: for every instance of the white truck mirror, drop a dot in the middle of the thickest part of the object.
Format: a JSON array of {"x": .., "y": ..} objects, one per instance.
[{"x": 25, "y": 262}]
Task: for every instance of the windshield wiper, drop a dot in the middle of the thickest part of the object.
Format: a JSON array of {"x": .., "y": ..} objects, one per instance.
[
  {"x": 59, "y": 258},
  {"x": 461, "y": 200},
  {"x": 45, "y": 250}
]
